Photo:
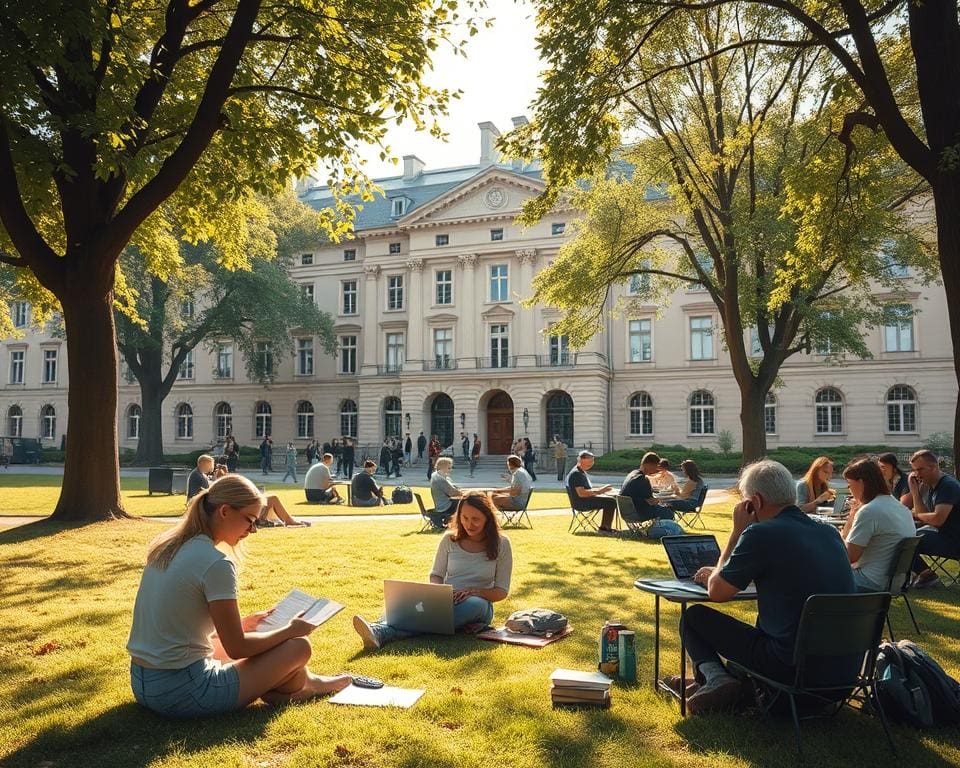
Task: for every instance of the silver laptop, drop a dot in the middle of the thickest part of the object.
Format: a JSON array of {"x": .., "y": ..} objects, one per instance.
[{"x": 413, "y": 606}]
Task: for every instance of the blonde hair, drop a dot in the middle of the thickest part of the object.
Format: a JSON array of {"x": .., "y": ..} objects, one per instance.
[
  {"x": 444, "y": 462},
  {"x": 234, "y": 490}
]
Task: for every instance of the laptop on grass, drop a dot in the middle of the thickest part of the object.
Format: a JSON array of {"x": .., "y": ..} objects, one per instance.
[{"x": 413, "y": 606}]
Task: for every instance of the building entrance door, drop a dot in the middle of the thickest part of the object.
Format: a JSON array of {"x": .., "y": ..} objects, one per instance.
[{"x": 499, "y": 424}]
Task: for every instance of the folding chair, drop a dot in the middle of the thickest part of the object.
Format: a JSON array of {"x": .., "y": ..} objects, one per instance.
[
  {"x": 513, "y": 518},
  {"x": 628, "y": 516},
  {"x": 833, "y": 627},
  {"x": 900, "y": 576},
  {"x": 949, "y": 575},
  {"x": 693, "y": 514},
  {"x": 583, "y": 519},
  {"x": 425, "y": 519}
]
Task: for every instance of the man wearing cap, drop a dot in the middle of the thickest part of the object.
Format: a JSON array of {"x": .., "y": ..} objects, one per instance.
[{"x": 583, "y": 496}]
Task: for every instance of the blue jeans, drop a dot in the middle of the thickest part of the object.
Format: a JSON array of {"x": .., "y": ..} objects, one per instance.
[
  {"x": 206, "y": 687},
  {"x": 291, "y": 472},
  {"x": 473, "y": 610}
]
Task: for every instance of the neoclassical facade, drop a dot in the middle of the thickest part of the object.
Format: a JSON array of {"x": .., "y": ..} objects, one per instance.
[{"x": 433, "y": 336}]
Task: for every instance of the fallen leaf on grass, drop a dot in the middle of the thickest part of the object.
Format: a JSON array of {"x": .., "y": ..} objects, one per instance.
[
  {"x": 46, "y": 648},
  {"x": 457, "y": 691},
  {"x": 341, "y": 751},
  {"x": 451, "y": 726}
]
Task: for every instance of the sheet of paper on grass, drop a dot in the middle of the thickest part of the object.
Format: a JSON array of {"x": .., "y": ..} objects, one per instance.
[
  {"x": 388, "y": 696},
  {"x": 503, "y": 635},
  {"x": 318, "y": 610}
]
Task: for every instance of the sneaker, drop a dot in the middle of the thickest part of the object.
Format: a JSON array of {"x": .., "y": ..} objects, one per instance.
[
  {"x": 673, "y": 683},
  {"x": 608, "y": 532},
  {"x": 925, "y": 579},
  {"x": 718, "y": 694},
  {"x": 367, "y": 632}
]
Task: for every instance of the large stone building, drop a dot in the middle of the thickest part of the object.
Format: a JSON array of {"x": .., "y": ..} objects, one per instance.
[{"x": 433, "y": 336}]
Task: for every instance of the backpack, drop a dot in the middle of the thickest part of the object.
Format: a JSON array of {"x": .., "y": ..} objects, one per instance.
[
  {"x": 541, "y": 622},
  {"x": 402, "y": 495},
  {"x": 914, "y": 689},
  {"x": 662, "y": 528}
]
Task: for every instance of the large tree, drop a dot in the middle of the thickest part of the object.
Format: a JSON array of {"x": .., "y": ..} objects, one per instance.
[
  {"x": 754, "y": 214},
  {"x": 110, "y": 109},
  {"x": 902, "y": 57}
]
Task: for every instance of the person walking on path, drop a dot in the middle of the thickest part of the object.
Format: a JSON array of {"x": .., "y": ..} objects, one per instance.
[
  {"x": 349, "y": 456},
  {"x": 291, "y": 454},
  {"x": 560, "y": 456},
  {"x": 529, "y": 458},
  {"x": 385, "y": 457},
  {"x": 421, "y": 446},
  {"x": 465, "y": 445},
  {"x": 266, "y": 454},
  {"x": 474, "y": 454},
  {"x": 408, "y": 450},
  {"x": 337, "y": 450},
  {"x": 232, "y": 451}
]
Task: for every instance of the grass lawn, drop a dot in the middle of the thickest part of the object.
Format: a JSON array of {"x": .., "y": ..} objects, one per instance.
[{"x": 66, "y": 598}]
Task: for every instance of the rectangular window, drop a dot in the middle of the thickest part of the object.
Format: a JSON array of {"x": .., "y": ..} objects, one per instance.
[
  {"x": 898, "y": 328},
  {"x": 265, "y": 358},
  {"x": 641, "y": 341},
  {"x": 499, "y": 283},
  {"x": 350, "y": 254},
  {"x": 444, "y": 286},
  {"x": 706, "y": 266},
  {"x": 395, "y": 292},
  {"x": 187, "y": 309},
  {"x": 307, "y": 291},
  {"x": 770, "y": 418},
  {"x": 639, "y": 284},
  {"x": 398, "y": 206},
  {"x": 186, "y": 367},
  {"x": 306, "y": 259},
  {"x": 395, "y": 352},
  {"x": 349, "y": 297},
  {"x": 443, "y": 347},
  {"x": 559, "y": 350},
  {"x": 348, "y": 354},
  {"x": 824, "y": 346},
  {"x": 16, "y": 366},
  {"x": 558, "y": 228},
  {"x": 499, "y": 345},
  {"x": 441, "y": 240},
  {"x": 50, "y": 366},
  {"x": 224, "y": 368},
  {"x": 19, "y": 311},
  {"x": 701, "y": 338},
  {"x": 496, "y": 235},
  {"x": 892, "y": 264},
  {"x": 902, "y": 417},
  {"x": 394, "y": 249},
  {"x": 305, "y": 357}
]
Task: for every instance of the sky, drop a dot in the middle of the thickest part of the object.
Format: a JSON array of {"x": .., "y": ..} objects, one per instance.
[{"x": 499, "y": 79}]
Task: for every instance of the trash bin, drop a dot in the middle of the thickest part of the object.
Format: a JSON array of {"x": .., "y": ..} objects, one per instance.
[{"x": 160, "y": 480}]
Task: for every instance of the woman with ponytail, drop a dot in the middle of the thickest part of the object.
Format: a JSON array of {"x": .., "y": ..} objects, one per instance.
[{"x": 191, "y": 653}]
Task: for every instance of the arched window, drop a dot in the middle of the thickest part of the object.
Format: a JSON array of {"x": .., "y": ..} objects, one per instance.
[
  {"x": 48, "y": 422},
  {"x": 391, "y": 417},
  {"x": 263, "y": 419},
  {"x": 134, "y": 412},
  {"x": 701, "y": 413},
  {"x": 641, "y": 414},
  {"x": 348, "y": 418},
  {"x": 15, "y": 421},
  {"x": 770, "y": 414},
  {"x": 184, "y": 422},
  {"x": 223, "y": 416},
  {"x": 441, "y": 419},
  {"x": 304, "y": 419},
  {"x": 901, "y": 409},
  {"x": 829, "y": 404},
  {"x": 560, "y": 417}
]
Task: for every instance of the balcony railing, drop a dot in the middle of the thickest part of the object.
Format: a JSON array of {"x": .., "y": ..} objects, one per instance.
[
  {"x": 500, "y": 361},
  {"x": 440, "y": 364},
  {"x": 390, "y": 369},
  {"x": 563, "y": 360}
]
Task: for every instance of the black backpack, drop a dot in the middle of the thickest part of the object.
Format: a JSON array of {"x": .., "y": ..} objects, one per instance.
[
  {"x": 402, "y": 495},
  {"x": 914, "y": 689}
]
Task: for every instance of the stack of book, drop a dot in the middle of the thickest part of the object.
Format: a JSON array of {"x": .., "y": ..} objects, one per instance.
[{"x": 573, "y": 688}]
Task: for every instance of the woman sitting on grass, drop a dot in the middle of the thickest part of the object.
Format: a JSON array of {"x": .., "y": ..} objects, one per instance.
[
  {"x": 475, "y": 558},
  {"x": 191, "y": 653}
]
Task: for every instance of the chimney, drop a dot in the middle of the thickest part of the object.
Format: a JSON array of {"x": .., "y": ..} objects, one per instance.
[
  {"x": 517, "y": 163},
  {"x": 489, "y": 154},
  {"x": 412, "y": 167}
]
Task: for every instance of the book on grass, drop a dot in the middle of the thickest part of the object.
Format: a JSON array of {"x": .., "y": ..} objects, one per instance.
[
  {"x": 575, "y": 678},
  {"x": 585, "y": 694},
  {"x": 569, "y": 701},
  {"x": 316, "y": 610}
]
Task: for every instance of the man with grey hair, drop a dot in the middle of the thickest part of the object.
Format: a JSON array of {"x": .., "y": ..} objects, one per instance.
[{"x": 789, "y": 557}]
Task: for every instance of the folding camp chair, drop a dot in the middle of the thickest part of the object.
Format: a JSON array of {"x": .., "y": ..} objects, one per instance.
[
  {"x": 513, "y": 518},
  {"x": 900, "y": 576},
  {"x": 583, "y": 519},
  {"x": 693, "y": 514},
  {"x": 949, "y": 574},
  {"x": 833, "y": 627},
  {"x": 425, "y": 519},
  {"x": 628, "y": 516}
]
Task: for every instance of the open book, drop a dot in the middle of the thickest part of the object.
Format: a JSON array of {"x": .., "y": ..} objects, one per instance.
[{"x": 317, "y": 610}]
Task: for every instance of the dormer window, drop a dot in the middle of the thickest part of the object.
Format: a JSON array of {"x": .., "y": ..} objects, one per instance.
[{"x": 398, "y": 206}]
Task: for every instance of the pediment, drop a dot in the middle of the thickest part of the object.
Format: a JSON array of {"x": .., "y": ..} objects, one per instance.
[
  {"x": 498, "y": 312},
  {"x": 445, "y": 318}
]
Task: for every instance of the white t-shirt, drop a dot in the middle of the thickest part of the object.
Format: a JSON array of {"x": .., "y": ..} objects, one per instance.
[
  {"x": 171, "y": 616},
  {"x": 879, "y": 526},
  {"x": 472, "y": 570},
  {"x": 318, "y": 478}
]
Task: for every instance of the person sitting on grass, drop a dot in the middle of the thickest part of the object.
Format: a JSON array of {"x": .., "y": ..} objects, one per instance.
[
  {"x": 813, "y": 489},
  {"x": 200, "y": 477},
  {"x": 474, "y": 558},
  {"x": 318, "y": 483},
  {"x": 444, "y": 493},
  {"x": 274, "y": 506},
  {"x": 637, "y": 486},
  {"x": 364, "y": 491},
  {"x": 689, "y": 493},
  {"x": 515, "y": 495},
  {"x": 191, "y": 653}
]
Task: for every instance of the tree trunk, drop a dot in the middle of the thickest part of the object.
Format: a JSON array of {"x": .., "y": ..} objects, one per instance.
[
  {"x": 752, "y": 424},
  {"x": 150, "y": 444},
  {"x": 91, "y": 472}
]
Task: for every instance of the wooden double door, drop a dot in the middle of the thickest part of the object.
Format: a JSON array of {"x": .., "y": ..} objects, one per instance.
[{"x": 500, "y": 424}]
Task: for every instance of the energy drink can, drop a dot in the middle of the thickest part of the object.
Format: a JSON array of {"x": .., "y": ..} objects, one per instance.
[
  {"x": 610, "y": 648},
  {"x": 627, "y": 653}
]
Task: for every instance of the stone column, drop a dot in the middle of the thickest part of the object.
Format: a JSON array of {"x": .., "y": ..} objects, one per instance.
[
  {"x": 415, "y": 329},
  {"x": 469, "y": 337},
  {"x": 526, "y": 339},
  {"x": 371, "y": 301}
]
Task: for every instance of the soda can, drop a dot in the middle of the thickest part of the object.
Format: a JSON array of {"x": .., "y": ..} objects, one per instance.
[
  {"x": 609, "y": 647},
  {"x": 627, "y": 654}
]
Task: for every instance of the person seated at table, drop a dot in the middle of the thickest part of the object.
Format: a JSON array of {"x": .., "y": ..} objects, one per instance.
[
  {"x": 813, "y": 489},
  {"x": 444, "y": 493},
  {"x": 583, "y": 496},
  {"x": 895, "y": 477},
  {"x": 789, "y": 557},
  {"x": 689, "y": 493},
  {"x": 515, "y": 495},
  {"x": 364, "y": 491},
  {"x": 191, "y": 653},
  {"x": 318, "y": 483},
  {"x": 875, "y": 527},
  {"x": 636, "y": 485},
  {"x": 475, "y": 558},
  {"x": 200, "y": 477},
  {"x": 662, "y": 479},
  {"x": 936, "y": 507}
]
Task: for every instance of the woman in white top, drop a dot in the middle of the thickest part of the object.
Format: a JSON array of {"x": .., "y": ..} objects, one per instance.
[
  {"x": 474, "y": 557},
  {"x": 191, "y": 653}
]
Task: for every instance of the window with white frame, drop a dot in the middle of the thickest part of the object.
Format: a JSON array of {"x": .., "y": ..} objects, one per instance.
[
  {"x": 15, "y": 421},
  {"x": 307, "y": 290},
  {"x": 348, "y": 294},
  {"x": 640, "y": 283},
  {"x": 901, "y": 409},
  {"x": 898, "y": 328},
  {"x": 893, "y": 265},
  {"x": 17, "y": 358},
  {"x": 306, "y": 259},
  {"x": 186, "y": 367},
  {"x": 50, "y": 357},
  {"x": 824, "y": 345},
  {"x": 641, "y": 414},
  {"x": 262, "y": 419},
  {"x": 756, "y": 348},
  {"x": 348, "y": 418},
  {"x": 223, "y": 420},
  {"x": 395, "y": 292},
  {"x": 702, "y": 413},
  {"x": 134, "y": 414},
  {"x": 305, "y": 357},
  {"x": 19, "y": 313},
  {"x": 701, "y": 338},
  {"x": 348, "y": 354},
  {"x": 641, "y": 340},
  {"x": 265, "y": 360},
  {"x": 499, "y": 345},
  {"x": 770, "y": 414},
  {"x": 706, "y": 266},
  {"x": 443, "y": 347},
  {"x": 441, "y": 240},
  {"x": 395, "y": 351},
  {"x": 187, "y": 309},
  {"x": 444, "y": 281},
  {"x": 224, "y": 368},
  {"x": 559, "y": 349},
  {"x": 350, "y": 254},
  {"x": 499, "y": 283},
  {"x": 304, "y": 419},
  {"x": 48, "y": 422},
  {"x": 829, "y": 411},
  {"x": 398, "y": 206},
  {"x": 184, "y": 422},
  {"x": 496, "y": 235},
  {"x": 392, "y": 416}
]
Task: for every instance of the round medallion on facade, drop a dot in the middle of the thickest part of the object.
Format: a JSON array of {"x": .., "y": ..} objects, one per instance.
[{"x": 496, "y": 197}]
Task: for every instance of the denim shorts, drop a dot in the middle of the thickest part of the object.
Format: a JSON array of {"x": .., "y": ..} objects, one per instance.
[{"x": 206, "y": 687}]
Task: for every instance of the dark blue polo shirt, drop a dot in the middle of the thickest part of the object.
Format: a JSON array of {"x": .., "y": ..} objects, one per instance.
[{"x": 947, "y": 491}]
